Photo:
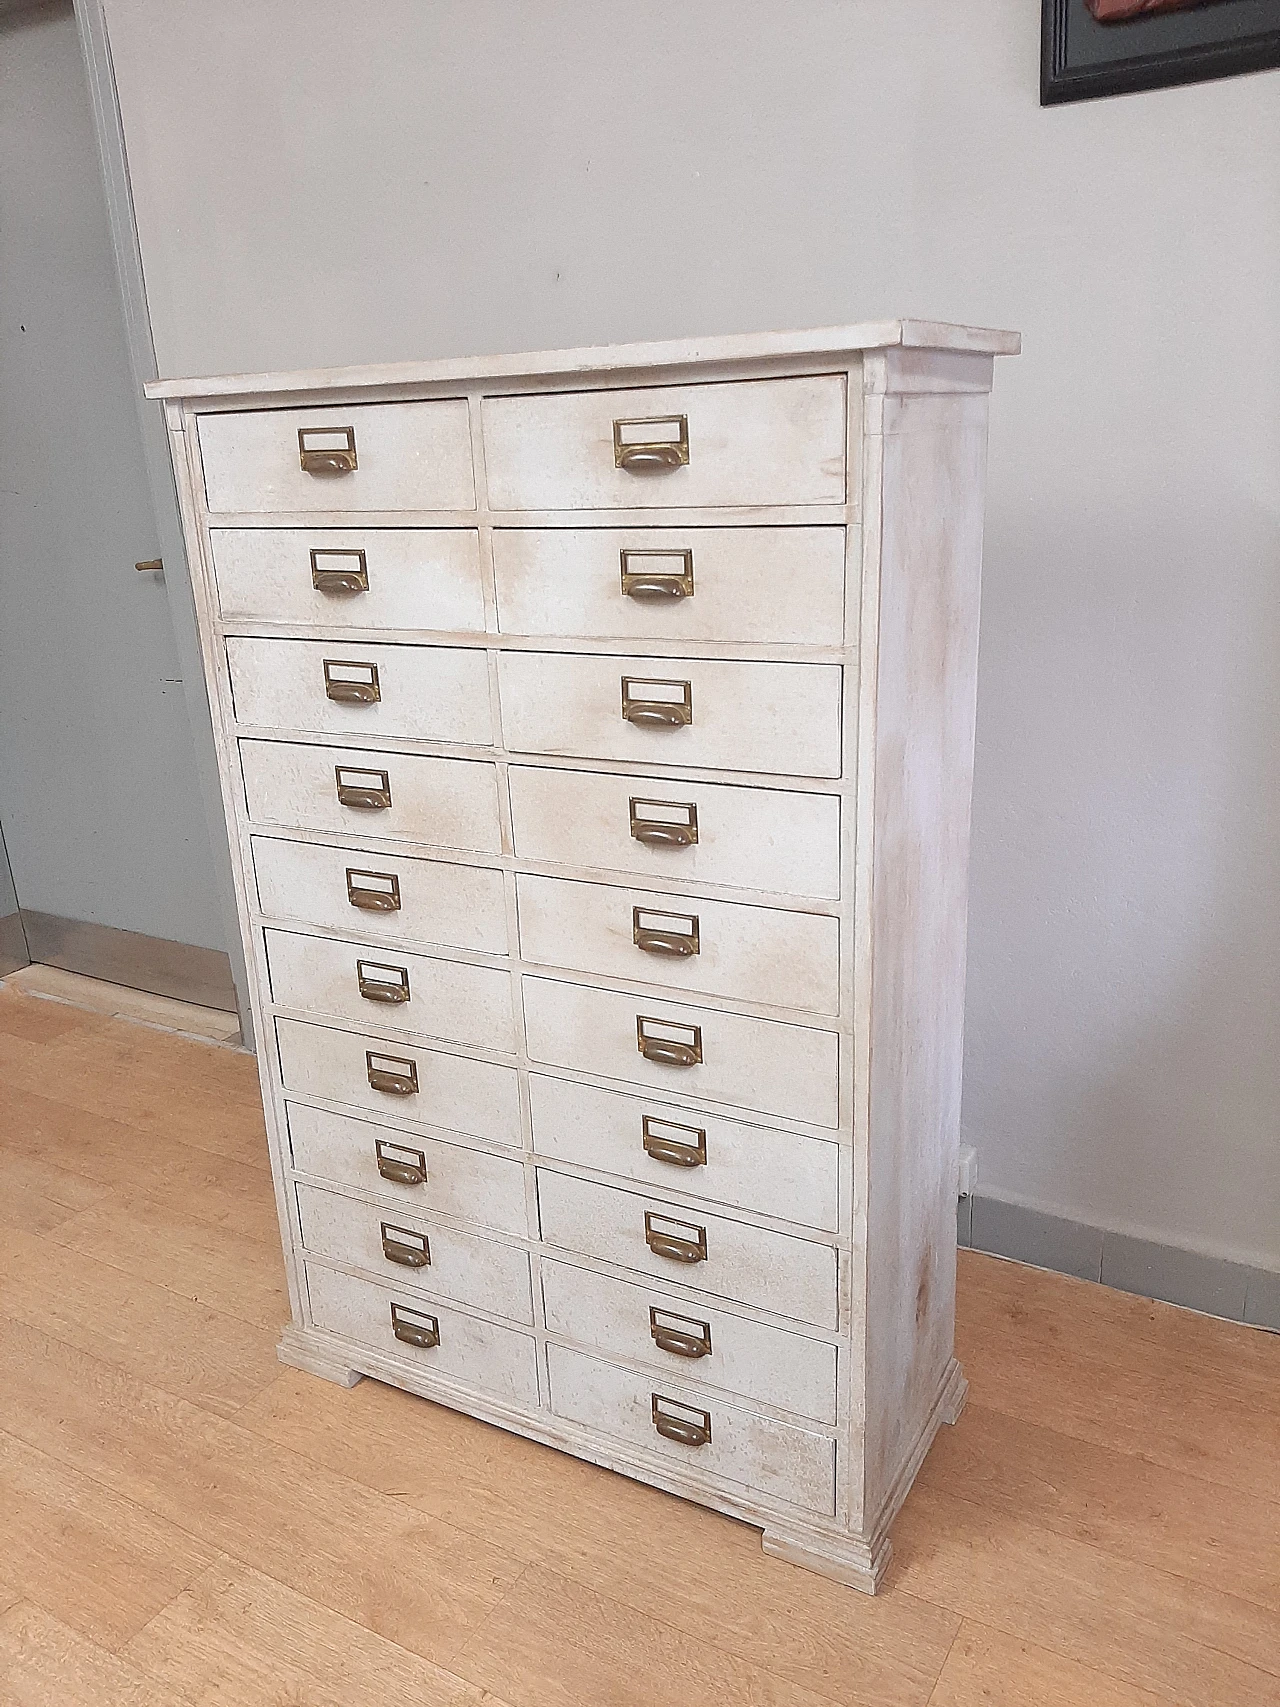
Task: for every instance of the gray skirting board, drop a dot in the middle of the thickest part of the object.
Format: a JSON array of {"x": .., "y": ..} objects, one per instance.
[
  {"x": 13, "y": 944},
  {"x": 1213, "y": 1285},
  {"x": 177, "y": 969}
]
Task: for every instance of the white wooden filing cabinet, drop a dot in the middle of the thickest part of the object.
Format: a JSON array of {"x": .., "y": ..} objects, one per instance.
[{"x": 596, "y": 732}]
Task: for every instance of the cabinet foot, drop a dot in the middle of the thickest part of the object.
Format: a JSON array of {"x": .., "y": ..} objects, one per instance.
[
  {"x": 302, "y": 1350},
  {"x": 846, "y": 1559}
]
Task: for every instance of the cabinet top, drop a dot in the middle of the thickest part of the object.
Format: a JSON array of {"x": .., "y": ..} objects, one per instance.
[{"x": 606, "y": 358}]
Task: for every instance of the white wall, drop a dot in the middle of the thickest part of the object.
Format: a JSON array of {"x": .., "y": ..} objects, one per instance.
[{"x": 320, "y": 182}]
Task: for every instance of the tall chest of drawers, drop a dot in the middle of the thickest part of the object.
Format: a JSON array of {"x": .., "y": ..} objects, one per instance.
[{"x": 596, "y": 735}]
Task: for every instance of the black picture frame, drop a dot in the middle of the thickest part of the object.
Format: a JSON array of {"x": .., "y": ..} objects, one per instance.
[{"x": 1156, "y": 52}]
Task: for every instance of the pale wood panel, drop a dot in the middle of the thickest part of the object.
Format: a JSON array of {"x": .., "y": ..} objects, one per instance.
[
  {"x": 1184, "y": 1391},
  {"x": 750, "y": 442},
  {"x": 237, "y": 1638},
  {"x": 1134, "y": 1509},
  {"x": 98, "y": 1562},
  {"x": 43, "y": 1663},
  {"x": 181, "y": 1345},
  {"x": 1148, "y": 1628},
  {"x": 215, "y": 1266},
  {"x": 413, "y": 456},
  {"x": 431, "y": 693},
  {"x": 986, "y": 1669},
  {"x": 417, "y": 577},
  {"x": 317, "y": 1532}
]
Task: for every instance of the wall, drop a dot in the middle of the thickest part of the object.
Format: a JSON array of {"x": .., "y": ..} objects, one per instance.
[{"x": 319, "y": 183}]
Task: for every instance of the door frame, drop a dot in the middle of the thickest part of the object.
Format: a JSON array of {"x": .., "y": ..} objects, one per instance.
[{"x": 108, "y": 128}]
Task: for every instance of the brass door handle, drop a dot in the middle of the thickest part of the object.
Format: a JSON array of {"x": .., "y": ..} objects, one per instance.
[
  {"x": 691, "y": 1340},
  {"x": 373, "y": 794},
  {"x": 377, "y": 983},
  {"x": 396, "y": 1167},
  {"x": 327, "y": 450},
  {"x": 679, "y": 1152},
  {"x": 650, "y": 583},
  {"x": 359, "y": 689},
  {"x": 328, "y": 576},
  {"x": 415, "y": 1327},
  {"x": 152, "y": 566},
  {"x": 402, "y": 1245},
  {"x": 676, "y": 1246},
  {"x": 664, "y": 1049},
  {"x": 660, "y": 711},
  {"x": 396, "y": 1076},
  {"x": 369, "y": 896},
  {"x": 664, "y": 823},
  {"x": 664, "y": 446},
  {"x": 674, "y": 934},
  {"x": 692, "y": 1428}
]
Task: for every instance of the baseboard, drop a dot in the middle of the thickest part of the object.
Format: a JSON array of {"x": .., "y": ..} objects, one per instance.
[
  {"x": 139, "y": 962},
  {"x": 13, "y": 944},
  {"x": 1215, "y": 1286}
]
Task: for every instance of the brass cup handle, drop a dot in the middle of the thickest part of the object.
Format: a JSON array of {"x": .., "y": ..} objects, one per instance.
[
  {"x": 689, "y": 1431},
  {"x": 327, "y": 458},
  {"x": 677, "y": 943},
  {"x": 352, "y": 693},
  {"x": 651, "y": 452},
  {"x": 408, "y": 1256},
  {"x": 682, "y": 1344},
  {"x": 339, "y": 581},
  {"x": 401, "y": 1173},
  {"x": 398, "y": 1081},
  {"x": 651, "y": 588},
  {"x": 374, "y": 901},
  {"x": 422, "y": 1331},
  {"x": 363, "y": 890},
  {"x": 382, "y": 989},
  {"x": 671, "y": 1150},
  {"x": 650, "y": 459},
  {"x": 667, "y": 1052},
  {"x": 364, "y": 799},
  {"x": 654, "y": 714},
  {"x": 672, "y": 1246},
  {"x": 664, "y": 835}
]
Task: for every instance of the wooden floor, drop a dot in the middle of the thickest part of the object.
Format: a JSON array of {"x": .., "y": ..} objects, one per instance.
[{"x": 182, "y": 1521}]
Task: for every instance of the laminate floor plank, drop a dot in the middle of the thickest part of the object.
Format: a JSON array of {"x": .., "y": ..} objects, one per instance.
[
  {"x": 236, "y": 1638},
  {"x": 376, "y": 1560},
  {"x": 215, "y": 1266},
  {"x": 986, "y": 1669},
  {"x": 700, "y": 1572},
  {"x": 186, "y": 1348},
  {"x": 38, "y": 1021},
  {"x": 98, "y": 1563},
  {"x": 36, "y": 1195},
  {"x": 43, "y": 1663},
  {"x": 1146, "y": 1628}
]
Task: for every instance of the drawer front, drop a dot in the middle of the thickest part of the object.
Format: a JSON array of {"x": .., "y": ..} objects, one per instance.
[
  {"x": 691, "y": 1343},
  {"x": 453, "y": 1092},
  {"x": 774, "y": 1460},
  {"x": 666, "y": 1147},
  {"x": 697, "y": 832},
  {"x": 416, "y": 1254},
  {"x": 767, "y": 1270},
  {"x": 417, "y": 994},
  {"x": 420, "y": 1173},
  {"x": 722, "y": 948},
  {"x": 444, "y": 803},
  {"x": 426, "y": 693},
  {"x": 483, "y": 1355},
  {"x": 766, "y": 1065},
  {"x": 357, "y": 578},
  {"x": 408, "y": 456},
  {"x": 747, "y": 717},
  {"x": 770, "y": 441},
  {"x": 757, "y": 585},
  {"x": 386, "y": 897}
]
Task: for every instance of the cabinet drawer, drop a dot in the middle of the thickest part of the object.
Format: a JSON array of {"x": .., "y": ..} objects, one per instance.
[
  {"x": 417, "y": 1254},
  {"x": 666, "y": 1147},
  {"x": 700, "y": 832},
  {"x": 774, "y": 1460},
  {"x": 473, "y": 1353},
  {"x": 385, "y": 897},
  {"x": 767, "y": 1270},
  {"x": 471, "y": 1185},
  {"x": 770, "y": 441},
  {"x": 340, "y": 577},
  {"x": 425, "y": 693},
  {"x": 452, "y": 1092},
  {"x": 761, "y": 1064},
  {"x": 407, "y": 456},
  {"x": 417, "y": 994},
  {"x": 746, "y": 717},
  {"x": 444, "y": 803},
  {"x": 721, "y": 948},
  {"x": 758, "y": 585},
  {"x": 692, "y": 1343}
]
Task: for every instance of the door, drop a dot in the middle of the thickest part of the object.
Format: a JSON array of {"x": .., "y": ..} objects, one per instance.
[{"x": 99, "y": 797}]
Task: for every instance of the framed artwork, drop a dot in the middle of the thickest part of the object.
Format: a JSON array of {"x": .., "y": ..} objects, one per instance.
[{"x": 1113, "y": 47}]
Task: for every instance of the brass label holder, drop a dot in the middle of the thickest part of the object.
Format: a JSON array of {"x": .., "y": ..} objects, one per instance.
[
  {"x": 337, "y": 569},
  {"x": 664, "y": 823},
  {"x": 373, "y": 891},
  {"x": 367, "y": 791},
  {"x": 651, "y": 444},
  {"x": 672, "y": 934},
  {"x": 643, "y": 577},
  {"x": 327, "y": 450},
  {"x": 349, "y": 681},
  {"x": 682, "y": 1423},
  {"x": 682, "y": 1336},
  {"x": 399, "y": 1163},
  {"x": 415, "y": 1327},
  {"x": 405, "y": 1246},
  {"x": 655, "y": 703},
  {"x": 678, "y": 1241},
  {"x": 659, "y": 1141},
  {"x": 397, "y": 1075},
  {"x": 670, "y": 1043},
  {"x": 379, "y": 983}
]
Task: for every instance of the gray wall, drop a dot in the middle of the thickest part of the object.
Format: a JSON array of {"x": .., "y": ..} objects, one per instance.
[
  {"x": 323, "y": 183},
  {"x": 97, "y": 787}
]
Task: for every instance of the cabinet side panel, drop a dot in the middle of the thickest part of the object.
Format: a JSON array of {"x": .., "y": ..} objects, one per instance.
[{"x": 930, "y": 571}]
